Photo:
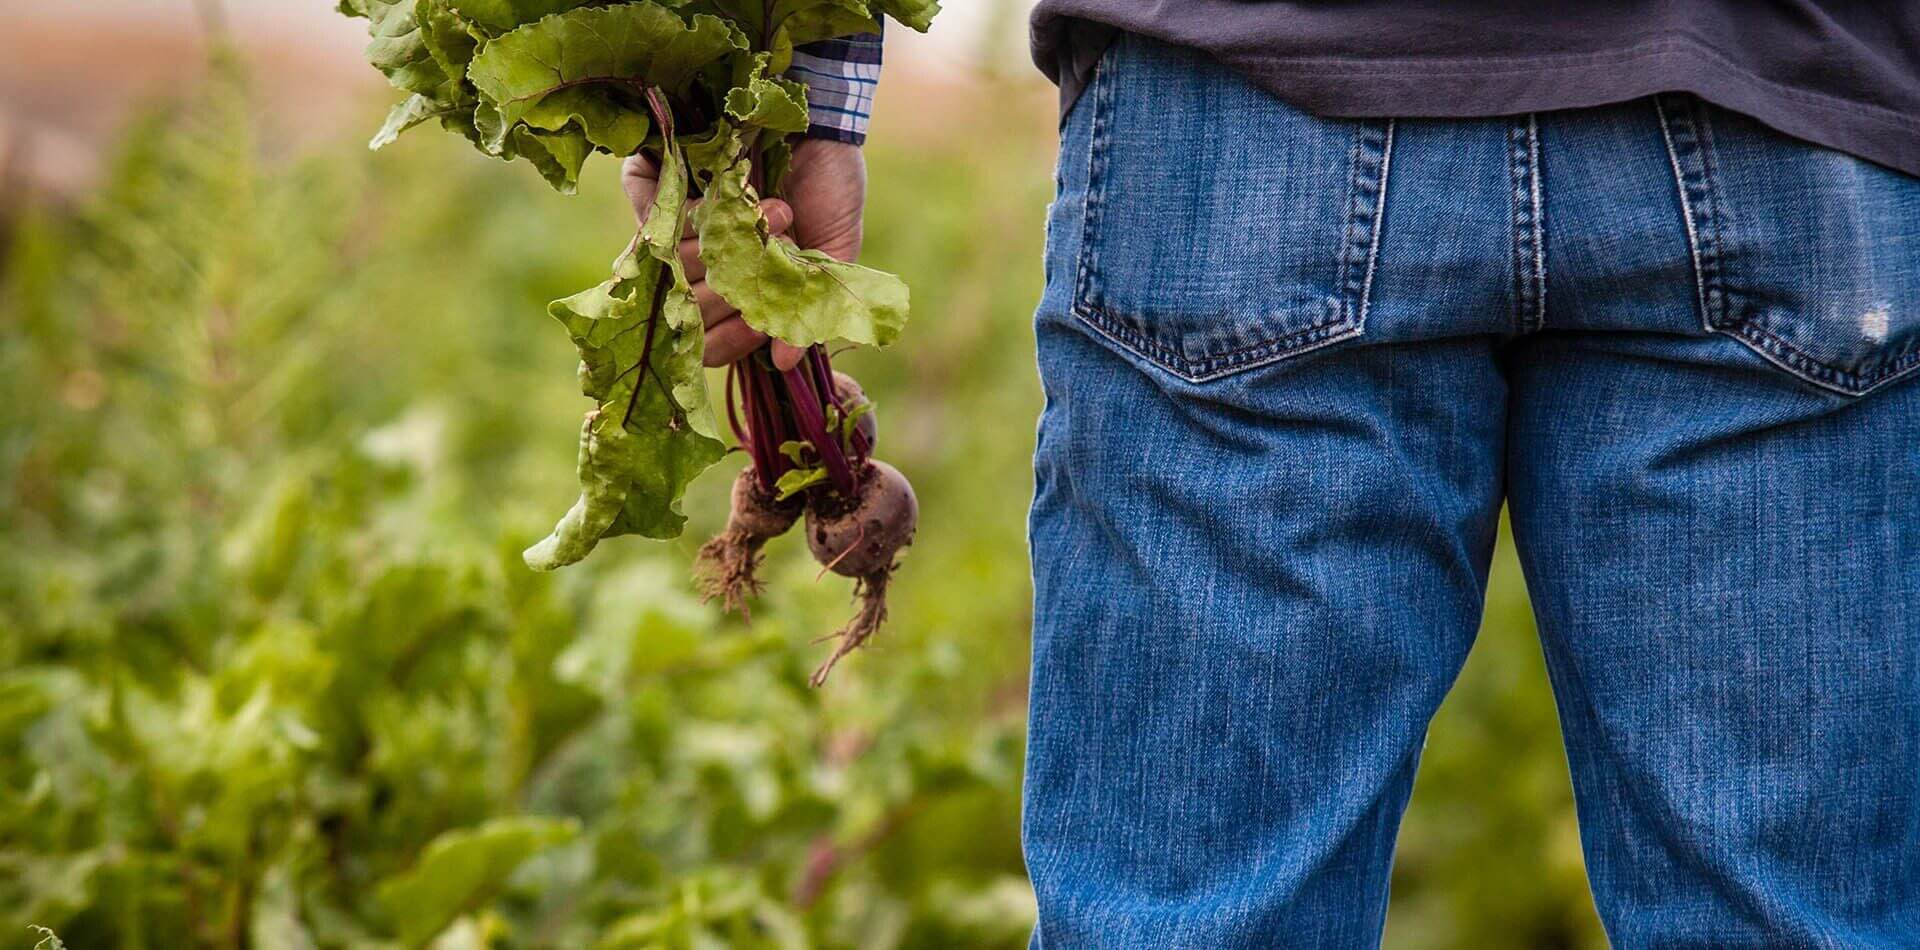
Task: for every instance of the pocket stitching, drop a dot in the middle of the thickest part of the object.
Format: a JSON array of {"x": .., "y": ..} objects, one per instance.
[
  {"x": 1699, "y": 205},
  {"x": 1791, "y": 358},
  {"x": 1347, "y": 316}
]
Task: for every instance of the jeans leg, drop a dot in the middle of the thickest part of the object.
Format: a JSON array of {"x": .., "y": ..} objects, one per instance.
[
  {"x": 1725, "y": 570},
  {"x": 1720, "y": 529},
  {"x": 1250, "y": 597}
]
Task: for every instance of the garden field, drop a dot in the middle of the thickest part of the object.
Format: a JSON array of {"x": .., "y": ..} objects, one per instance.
[{"x": 276, "y": 423}]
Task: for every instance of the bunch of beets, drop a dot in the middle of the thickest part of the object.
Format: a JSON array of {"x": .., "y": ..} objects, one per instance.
[
  {"x": 701, "y": 87},
  {"x": 859, "y": 515}
]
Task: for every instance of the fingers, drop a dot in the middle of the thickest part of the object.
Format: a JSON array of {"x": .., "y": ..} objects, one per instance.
[
  {"x": 640, "y": 179},
  {"x": 728, "y": 337},
  {"x": 690, "y": 260},
  {"x": 713, "y": 308},
  {"x": 730, "y": 340},
  {"x": 779, "y": 215},
  {"x": 786, "y": 356}
]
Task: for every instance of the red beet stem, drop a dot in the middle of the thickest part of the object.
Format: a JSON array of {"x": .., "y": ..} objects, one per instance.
[{"x": 812, "y": 420}]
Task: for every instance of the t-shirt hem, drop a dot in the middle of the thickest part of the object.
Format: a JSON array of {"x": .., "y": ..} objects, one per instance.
[{"x": 1362, "y": 88}]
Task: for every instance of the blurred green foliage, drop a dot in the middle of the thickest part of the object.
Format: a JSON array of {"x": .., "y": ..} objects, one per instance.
[{"x": 272, "y": 432}]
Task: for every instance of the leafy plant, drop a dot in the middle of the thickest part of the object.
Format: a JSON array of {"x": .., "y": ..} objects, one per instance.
[
  {"x": 700, "y": 87},
  {"x": 273, "y": 675}
]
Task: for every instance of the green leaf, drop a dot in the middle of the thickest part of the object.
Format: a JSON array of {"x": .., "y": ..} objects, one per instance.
[
  {"x": 798, "y": 480},
  {"x": 803, "y": 21},
  {"x": 448, "y": 37},
  {"x": 802, "y": 297},
  {"x": 917, "y": 14},
  {"x": 590, "y": 68},
  {"x": 501, "y": 16},
  {"x": 398, "y": 47},
  {"x": 795, "y": 21},
  {"x": 653, "y": 429},
  {"x": 558, "y": 155},
  {"x": 461, "y": 868},
  {"x": 772, "y": 103},
  {"x": 415, "y": 110}
]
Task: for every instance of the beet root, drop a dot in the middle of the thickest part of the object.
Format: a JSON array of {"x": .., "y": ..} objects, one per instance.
[
  {"x": 847, "y": 392},
  {"x": 725, "y": 568},
  {"x": 862, "y": 541}
]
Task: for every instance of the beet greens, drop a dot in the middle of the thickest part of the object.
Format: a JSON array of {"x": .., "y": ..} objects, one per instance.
[{"x": 699, "y": 86}]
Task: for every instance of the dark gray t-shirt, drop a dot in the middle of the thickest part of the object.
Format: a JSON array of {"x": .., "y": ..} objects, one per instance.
[{"x": 1841, "y": 73}]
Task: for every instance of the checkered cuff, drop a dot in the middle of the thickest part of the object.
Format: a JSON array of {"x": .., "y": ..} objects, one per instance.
[{"x": 840, "y": 76}]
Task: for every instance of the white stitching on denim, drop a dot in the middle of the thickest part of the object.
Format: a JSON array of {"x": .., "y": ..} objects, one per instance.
[
  {"x": 1686, "y": 212},
  {"x": 1089, "y": 203},
  {"x": 1092, "y": 313},
  {"x": 1379, "y": 224},
  {"x": 1757, "y": 339},
  {"x": 1539, "y": 227}
]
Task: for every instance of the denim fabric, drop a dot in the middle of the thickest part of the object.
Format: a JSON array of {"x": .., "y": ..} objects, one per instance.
[{"x": 1294, "y": 367}]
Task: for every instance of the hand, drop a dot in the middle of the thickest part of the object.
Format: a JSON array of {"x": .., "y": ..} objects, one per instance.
[{"x": 826, "y": 200}]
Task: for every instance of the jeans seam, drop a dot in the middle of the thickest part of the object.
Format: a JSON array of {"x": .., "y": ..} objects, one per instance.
[
  {"x": 1089, "y": 250},
  {"x": 1705, "y": 269},
  {"x": 1529, "y": 243},
  {"x": 1379, "y": 225},
  {"x": 1539, "y": 224}
]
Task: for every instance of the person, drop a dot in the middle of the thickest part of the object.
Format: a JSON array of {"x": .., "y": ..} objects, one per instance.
[{"x": 1330, "y": 284}]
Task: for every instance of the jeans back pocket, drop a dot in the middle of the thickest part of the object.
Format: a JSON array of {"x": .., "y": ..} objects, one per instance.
[
  {"x": 1809, "y": 256},
  {"x": 1223, "y": 229}
]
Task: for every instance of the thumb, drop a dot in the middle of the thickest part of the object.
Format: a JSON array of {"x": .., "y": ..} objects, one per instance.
[
  {"x": 640, "y": 179},
  {"x": 786, "y": 356}
]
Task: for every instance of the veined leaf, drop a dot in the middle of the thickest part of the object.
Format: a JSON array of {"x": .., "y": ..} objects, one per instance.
[
  {"x": 501, "y": 16},
  {"x": 447, "y": 37},
  {"x": 768, "y": 102},
  {"x": 653, "y": 431},
  {"x": 558, "y": 155},
  {"x": 617, "y": 127},
  {"x": 593, "y": 64},
  {"x": 802, "y": 297},
  {"x": 415, "y": 110},
  {"x": 398, "y": 47},
  {"x": 462, "y": 867}
]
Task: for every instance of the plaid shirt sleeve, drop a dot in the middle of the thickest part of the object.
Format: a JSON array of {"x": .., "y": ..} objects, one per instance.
[{"x": 840, "y": 76}]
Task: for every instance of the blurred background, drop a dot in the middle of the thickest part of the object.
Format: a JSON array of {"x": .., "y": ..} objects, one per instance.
[{"x": 277, "y": 415}]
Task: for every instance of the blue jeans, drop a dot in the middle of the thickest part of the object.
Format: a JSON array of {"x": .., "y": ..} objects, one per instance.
[{"x": 1293, "y": 368}]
